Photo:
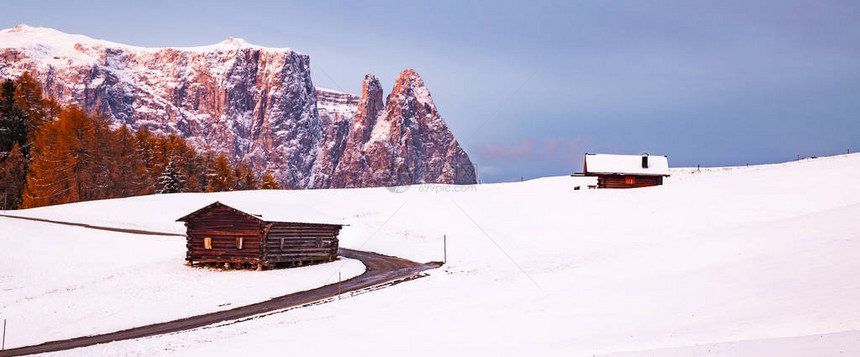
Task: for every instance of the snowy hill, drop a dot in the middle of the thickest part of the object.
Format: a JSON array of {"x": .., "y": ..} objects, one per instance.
[{"x": 765, "y": 254}]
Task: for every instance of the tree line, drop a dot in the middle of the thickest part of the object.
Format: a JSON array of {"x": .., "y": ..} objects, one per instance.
[{"x": 53, "y": 154}]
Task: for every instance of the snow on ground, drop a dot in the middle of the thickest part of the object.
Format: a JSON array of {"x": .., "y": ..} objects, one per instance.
[
  {"x": 834, "y": 344},
  {"x": 715, "y": 256},
  {"x": 59, "y": 281}
]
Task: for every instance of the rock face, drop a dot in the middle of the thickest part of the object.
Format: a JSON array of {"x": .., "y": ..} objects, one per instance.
[
  {"x": 336, "y": 111},
  {"x": 352, "y": 164},
  {"x": 402, "y": 142},
  {"x": 252, "y": 103}
]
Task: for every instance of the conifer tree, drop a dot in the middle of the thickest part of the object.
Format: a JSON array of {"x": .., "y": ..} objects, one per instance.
[
  {"x": 13, "y": 171},
  {"x": 62, "y": 160},
  {"x": 244, "y": 176},
  {"x": 15, "y": 139},
  {"x": 13, "y": 120},
  {"x": 145, "y": 145},
  {"x": 187, "y": 161},
  {"x": 269, "y": 182},
  {"x": 28, "y": 95},
  {"x": 220, "y": 175},
  {"x": 128, "y": 170},
  {"x": 205, "y": 161},
  {"x": 171, "y": 180},
  {"x": 99, "y": 158}
]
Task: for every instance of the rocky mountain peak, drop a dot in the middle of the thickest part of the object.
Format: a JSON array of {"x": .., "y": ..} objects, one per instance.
[
  {"x": 408, "y": 86},
  {"x": 235, "y": 42},
  {"x": 370, "y": 86},
  {"x": 369, "y": 107},
  {"x": 410, "y": 104},
  {"x": 249, "y": 102},
  {"x": 408, "y": 141},
  {"x": 407, "y": 79},
  {"x": 22, "y": 28}
]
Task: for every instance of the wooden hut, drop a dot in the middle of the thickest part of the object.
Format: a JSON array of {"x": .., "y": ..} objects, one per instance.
[
  {"x": 222, "y": 234},
  {"x": 626, "y": 171}
]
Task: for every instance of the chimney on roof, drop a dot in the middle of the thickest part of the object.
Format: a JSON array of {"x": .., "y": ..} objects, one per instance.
[{"x": 644, "y": 161}]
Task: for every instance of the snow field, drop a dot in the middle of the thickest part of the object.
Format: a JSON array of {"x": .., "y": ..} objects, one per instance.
[
  {"x": 767, "y": 254},
  {"x": 62, "y": 282}
]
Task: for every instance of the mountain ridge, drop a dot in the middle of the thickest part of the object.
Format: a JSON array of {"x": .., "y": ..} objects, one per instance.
[{"x": 250, "y": 102}]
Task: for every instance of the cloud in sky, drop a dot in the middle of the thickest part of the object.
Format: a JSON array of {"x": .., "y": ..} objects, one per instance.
[{"x": 500, "y": 160}]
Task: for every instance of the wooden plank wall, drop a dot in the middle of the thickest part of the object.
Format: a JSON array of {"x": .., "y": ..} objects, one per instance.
[
  {"x": 224, "y": 225},
  {"x": 619, "y": 181},
  {"x": 301, "y": 243}
]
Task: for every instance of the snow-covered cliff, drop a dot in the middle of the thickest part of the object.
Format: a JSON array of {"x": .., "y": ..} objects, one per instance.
[{"x": 253, "y": 103}]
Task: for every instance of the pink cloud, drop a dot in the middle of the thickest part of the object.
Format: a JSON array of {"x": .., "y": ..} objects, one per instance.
[
  {"x": 524, "y": 149},
  {"x": 548, "y": 148}
]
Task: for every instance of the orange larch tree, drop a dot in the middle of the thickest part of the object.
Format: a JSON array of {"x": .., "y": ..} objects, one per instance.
[
  {"x": 269, "y": 182},
  {"x": 59, "y": 170},
  {"x": 220, "y": 175}
]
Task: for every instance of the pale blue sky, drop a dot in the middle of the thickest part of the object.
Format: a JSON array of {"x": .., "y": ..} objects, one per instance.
[{"x": 528, "y": 87}]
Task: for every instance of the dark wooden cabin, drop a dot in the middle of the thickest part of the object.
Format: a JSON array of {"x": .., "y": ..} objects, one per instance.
[
  {"x": 222, "y": 234},
  {"x": 626, "y": 171}
]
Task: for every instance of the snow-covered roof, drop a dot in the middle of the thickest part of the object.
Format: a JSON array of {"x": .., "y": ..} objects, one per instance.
[
  {"x": 290, "y": 213},
  {"x": 626, "y": 164}
]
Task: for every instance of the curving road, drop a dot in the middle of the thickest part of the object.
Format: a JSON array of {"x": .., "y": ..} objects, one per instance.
[{"x": 380, "y": 269}]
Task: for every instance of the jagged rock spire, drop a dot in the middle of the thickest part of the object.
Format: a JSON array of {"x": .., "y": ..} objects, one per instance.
[
  {"x": 408, "y": 141},
  {"x": 369, "y": 107}
]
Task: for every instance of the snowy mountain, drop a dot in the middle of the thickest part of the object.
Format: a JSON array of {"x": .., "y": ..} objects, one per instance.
[{"x": 247, "y": 101}]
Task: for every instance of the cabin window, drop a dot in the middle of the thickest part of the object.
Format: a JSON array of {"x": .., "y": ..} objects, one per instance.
[
  {"x": 239, "y": 242},
  {"x": 630, "y": 180},
  {"x": 207, "y": 243}
]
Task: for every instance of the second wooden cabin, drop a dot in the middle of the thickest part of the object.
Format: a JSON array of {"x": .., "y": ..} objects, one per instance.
[
  {"x": 626, "y": 171},
  {"x": 222, "y": 234}
]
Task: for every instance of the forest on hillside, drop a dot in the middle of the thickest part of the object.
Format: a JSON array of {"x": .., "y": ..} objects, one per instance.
[{"x": 53, "y": 154}]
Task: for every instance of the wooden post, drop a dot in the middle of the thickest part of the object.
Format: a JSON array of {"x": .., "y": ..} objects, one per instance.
[
  {"x": 445, "y": 249},
  {"x": 338, "y": 285},
  {"x": 3, "y": 346}
]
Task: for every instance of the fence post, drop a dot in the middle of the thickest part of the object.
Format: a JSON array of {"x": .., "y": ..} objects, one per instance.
[
  {"x": 338, "y": 285},
  {"x": 445, "y": 249},
  {"x": 3, "y": 345}
]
